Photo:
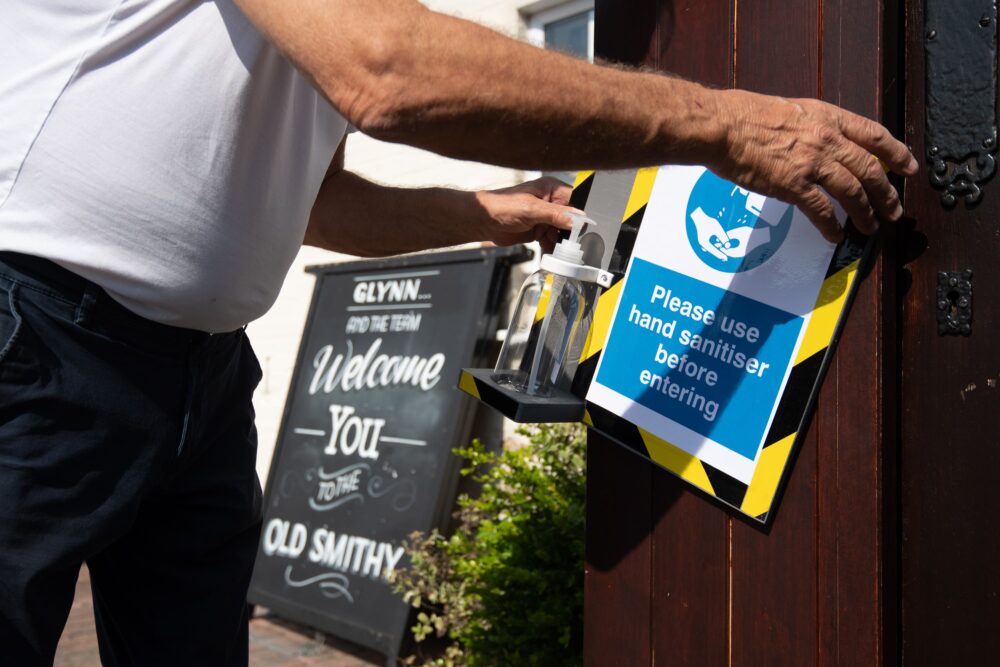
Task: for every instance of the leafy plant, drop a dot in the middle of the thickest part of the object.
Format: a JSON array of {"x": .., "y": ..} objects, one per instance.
[{"x": 507, "y": 587}]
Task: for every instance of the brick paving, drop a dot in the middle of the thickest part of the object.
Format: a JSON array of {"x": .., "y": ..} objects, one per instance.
[{"x": 273, "y": 643}]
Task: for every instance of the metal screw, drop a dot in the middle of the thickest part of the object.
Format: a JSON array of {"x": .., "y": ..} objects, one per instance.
[
  {"x": 987, "y": 142},
  {"x": 931, "y": 35},
  {"x": 953, "y": 281},
  {"x": 985, "y": 21},
  {"x": 933, "y": 150},
  {"x": 963, "y": 302},
  {"x": 942, "y": 304}
]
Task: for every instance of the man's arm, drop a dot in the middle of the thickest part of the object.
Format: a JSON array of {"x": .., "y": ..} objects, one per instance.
[
  {"x": 402, "y": 73},
  {"x": 358, "y": 217}
]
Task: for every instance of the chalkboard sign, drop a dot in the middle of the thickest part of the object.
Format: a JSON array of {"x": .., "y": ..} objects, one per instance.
[{"x": 364, "y": 453}]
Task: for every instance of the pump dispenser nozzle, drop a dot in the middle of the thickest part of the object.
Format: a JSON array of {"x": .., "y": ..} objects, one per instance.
[
  {"x": 570, "y": 250},
  {"x": 580, "y": 223},
  {"x": 567, "y": 257}
]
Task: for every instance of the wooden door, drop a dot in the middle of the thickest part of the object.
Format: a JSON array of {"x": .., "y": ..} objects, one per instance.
[
  {"x": 675, "y": 580},
  {"x": 950, "y": 425}
]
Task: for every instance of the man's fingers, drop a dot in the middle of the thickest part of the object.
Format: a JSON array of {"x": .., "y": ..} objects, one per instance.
[
  {"x": 844, "y": 186},
  {"x": 550, "y": 189},
  {"x": 556, "y": 186},
  {"x": 881, "y": 195},
  {"x": 547, "y": 237},
  {"x": 876, "y": 139},
  {"x": 554, "y": 214},
  {"x": 819, "y": 209}
]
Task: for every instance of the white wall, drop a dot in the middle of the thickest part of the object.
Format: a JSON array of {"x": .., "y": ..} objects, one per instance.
[{"x": 276, "y": 336}]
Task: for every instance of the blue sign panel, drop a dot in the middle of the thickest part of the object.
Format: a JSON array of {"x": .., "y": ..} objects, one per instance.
[{"x": 708, "y": 359}]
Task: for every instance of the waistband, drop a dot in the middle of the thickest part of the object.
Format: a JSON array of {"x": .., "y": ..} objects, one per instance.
[{"x": 106, "y": 313}]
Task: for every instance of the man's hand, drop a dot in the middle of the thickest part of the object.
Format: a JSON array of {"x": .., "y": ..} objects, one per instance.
[
  {"x": 801, "y": 151},
  {"x": 532, "y": 211}
]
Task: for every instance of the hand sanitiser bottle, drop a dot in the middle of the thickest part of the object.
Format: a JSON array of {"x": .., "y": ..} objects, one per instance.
[{"x": 545, "y": 338}]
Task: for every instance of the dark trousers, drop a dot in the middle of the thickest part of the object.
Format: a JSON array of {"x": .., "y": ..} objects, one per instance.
[{"x": 128, "y": 445}]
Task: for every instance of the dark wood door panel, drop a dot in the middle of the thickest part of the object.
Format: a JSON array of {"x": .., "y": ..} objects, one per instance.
[
  {"x": 774, "y": 602},
  {"x": 690, "y": 559},
  {"x": 672, "y": 578},
  {"x": 618, "y": 576},
  {"x": 617, "y": 623},
  {"x": 950, "y": 398},
  {"x": 856, "y": 415}
]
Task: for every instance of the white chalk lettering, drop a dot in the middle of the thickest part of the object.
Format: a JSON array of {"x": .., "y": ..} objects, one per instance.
[
  {"x": 353, "y": 554},
  {"x": 387, "y": 291},
  {"x": 353, "y": 434},
  {"x": 371, "y": 370},
  {"x": 283, "y": 539},
  {"x": 341, "y": 485}
]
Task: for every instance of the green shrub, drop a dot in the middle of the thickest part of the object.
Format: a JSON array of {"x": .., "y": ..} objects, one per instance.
[{"x": 506, "y": 589}]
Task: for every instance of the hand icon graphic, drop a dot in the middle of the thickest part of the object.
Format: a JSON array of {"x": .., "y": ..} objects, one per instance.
[
  {"x": 711, "y": 236},
  {"x": 732, "y": 229}
]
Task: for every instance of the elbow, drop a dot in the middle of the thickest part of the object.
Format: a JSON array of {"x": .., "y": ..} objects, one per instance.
[
  {"x": 376, "y": 110},
  {"x": 380, "y": 89}
]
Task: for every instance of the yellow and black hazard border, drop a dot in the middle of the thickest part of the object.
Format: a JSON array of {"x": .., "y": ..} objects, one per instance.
[
  {"x": 524, "y": 409},
  {"x": 758, "y": 499}
]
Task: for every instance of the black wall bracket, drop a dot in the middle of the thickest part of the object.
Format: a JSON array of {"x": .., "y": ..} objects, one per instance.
[{"x": 961, "y": 96}]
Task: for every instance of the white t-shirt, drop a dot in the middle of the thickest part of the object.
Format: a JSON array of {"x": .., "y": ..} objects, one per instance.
[{"x": 160, "y": 148}]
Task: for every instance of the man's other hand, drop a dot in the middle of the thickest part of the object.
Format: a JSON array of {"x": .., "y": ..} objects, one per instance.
[
  {"x": 805, "y": 151},
  {"x": 532, "y": 211}
]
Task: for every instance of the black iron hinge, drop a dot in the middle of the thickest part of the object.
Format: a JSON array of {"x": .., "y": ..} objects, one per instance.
[{"x": 961, "y": 141}]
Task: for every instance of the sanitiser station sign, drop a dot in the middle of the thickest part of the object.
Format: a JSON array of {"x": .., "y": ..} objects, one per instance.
[
  {"x": 705, "y": 347},
  {"x": 711, "y": 347}
]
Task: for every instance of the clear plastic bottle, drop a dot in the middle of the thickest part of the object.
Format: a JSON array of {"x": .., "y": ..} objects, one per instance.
[{"x": 541, "y": 351}]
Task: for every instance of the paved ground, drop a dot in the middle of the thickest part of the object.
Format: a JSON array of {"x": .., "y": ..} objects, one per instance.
[{"x": 273, "y": 643}]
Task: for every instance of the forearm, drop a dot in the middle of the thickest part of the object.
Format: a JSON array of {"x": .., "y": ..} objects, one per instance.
[
  {"x": 470, "y": 99},
  {"x": 358, "y": 217},
  {"x": 456, "y": 88}
]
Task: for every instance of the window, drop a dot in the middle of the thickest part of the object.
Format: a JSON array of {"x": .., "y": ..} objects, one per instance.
[{"x": 566, "y": 27}]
